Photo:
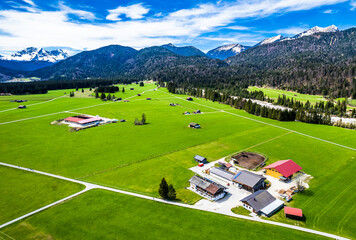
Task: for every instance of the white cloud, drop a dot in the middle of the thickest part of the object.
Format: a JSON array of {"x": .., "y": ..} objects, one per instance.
[
  {"x": 80, "y": 13},
  {"x": 238, "y": 28},
  {"x": 328, "y": 11},
  {"x": 53, "y": 28},
  {"x": 353, "y": 5},
  {"x": 29, "y": 2},
  {"x": 136, "y": 11}
]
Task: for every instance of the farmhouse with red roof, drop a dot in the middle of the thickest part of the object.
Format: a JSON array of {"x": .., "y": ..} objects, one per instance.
[
  {"x": 83, "y": 120},
  {"x": 283, "y": 169}
]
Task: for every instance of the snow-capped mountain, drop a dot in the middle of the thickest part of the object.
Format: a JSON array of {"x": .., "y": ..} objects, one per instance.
[
  {"x": 316, "y": 29},
  {"x": 271, "y": 40},
  {"x": 226, "y": 51},
  {"x": 37, "y": 54}
]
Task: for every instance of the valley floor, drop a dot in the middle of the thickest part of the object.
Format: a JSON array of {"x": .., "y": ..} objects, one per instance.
[{"x": 135, "y": 158}]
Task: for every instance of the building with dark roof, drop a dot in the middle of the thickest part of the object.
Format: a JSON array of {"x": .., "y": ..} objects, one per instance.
[
  {"x": 249, "y": 181},
  {"x": 222, "y": 173},
  {"x": 194, "y": 125},
  {"x": 207, "y": 188},
  {"x": 200, "y": 159},
  {"x": 262, "y": 203},
  {"x": 283, "y": 169}
]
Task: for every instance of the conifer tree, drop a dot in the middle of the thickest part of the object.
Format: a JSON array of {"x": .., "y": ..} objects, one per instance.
[{"x": 163, "y": 189}]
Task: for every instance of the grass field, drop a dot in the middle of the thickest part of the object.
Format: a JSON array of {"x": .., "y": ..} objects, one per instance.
[
  {"x": 22, "y": 192},
  {"x": 116, "y": 216},
  {"x": 274, "y": 93},
  {"x": 135, "y": 158}
]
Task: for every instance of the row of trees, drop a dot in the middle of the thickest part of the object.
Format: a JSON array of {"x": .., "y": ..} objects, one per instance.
[
  {"x": 338, "y": 108},
  {"x": 167, "y": 191},
  {"x": 40, "y": 87},
  {"x": 317, "y": 114}
]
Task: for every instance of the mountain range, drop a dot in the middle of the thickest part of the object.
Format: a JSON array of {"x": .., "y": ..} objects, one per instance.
[
  {"x": 316, "y": 61},
  {"x": 32, "y": 58}
]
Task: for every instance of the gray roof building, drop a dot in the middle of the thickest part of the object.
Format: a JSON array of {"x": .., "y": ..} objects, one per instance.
[
  {"x": 200, "y": 159},
  {"x": 220, "y": 172},
  {"x": 263, "y": 202},
  {"x": 208, "y": 188},
  {"x": 249, "y": 181}
]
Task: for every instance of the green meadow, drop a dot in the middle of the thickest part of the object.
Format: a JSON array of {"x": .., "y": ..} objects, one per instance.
[
  {"x": 135, "y": 158},
  {"x": 115, "y": 216},
  {"x": 22, "y": 192},
  {"x": 274, "y": 93}
]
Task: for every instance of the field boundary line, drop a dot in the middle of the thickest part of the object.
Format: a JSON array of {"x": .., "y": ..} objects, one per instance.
[
  {"x": 7, "y": 235},
  {"x": 270, "y": 124},
  {"x": 34, "y": 103},
  {"x": 44, "y": 208},
  {"x": 24, "y": 119},
  {"x": 90, "y": 186}
]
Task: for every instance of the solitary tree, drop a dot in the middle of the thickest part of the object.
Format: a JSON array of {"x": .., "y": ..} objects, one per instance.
[
  {"x": 96, "y": 94},
  {"x": 137, "y": 122},
  {"x": 163, "y": 189},
  {"x": 171, "y": 192},
  {"x": 123, "y": 90},
  {"x": 76, "y": 89},
  {"x": 143, "y": 120},
  {"x": 82, "y": 90},
  {"x": 141, "y": 84},
  {"x": 102, "y": 96}
]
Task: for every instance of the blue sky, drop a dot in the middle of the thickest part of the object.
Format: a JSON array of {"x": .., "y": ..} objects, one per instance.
[{"x": 77, "y": 25}]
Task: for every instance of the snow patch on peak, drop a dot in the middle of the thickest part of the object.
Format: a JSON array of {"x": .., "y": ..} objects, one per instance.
[
  {"x": 317, "y": 29},
  {"x": 35, "y": 54},
  {"x": 271, "y": 40}
]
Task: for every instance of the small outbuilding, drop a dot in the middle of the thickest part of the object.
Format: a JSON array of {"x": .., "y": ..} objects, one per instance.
[
  {"x": 148, "y": 98},
  {"x": 249, "y": 181},
  {"x": 131, "y": 88},
  {"x": 284, "y": 169},
  {"x": 262, "y": 203},
  {"x": 189, "y": 98},
  {"x": 295, "y": 213},
  {"x": 194, "y": 125},
  {"x": 200, "y": 159},
  {"x": 22, "y": 107}
]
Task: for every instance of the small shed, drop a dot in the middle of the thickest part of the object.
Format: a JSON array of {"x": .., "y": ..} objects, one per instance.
[
  {"x": 148, "y": 98},
  {"x": 21, "y": 106},
  {"x": 295, "y": 213},
  {"x": 138, "y": 94},
  {"x": 131, "y": 88},
  {"x": 200, "y": 159},
  {"x": 194, "y": 125},
  {"x": 189, "y": 98}
]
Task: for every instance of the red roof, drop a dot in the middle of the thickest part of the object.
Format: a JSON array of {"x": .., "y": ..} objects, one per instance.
[
  {"x": 81, "y": 120},
  {"x": 285, "y": 167},
  {"x": 293, "y": 211}
]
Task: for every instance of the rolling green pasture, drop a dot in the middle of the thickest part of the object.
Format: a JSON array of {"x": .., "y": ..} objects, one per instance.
[
  {"x": 135, "y": 158},
  {"x": 22, "y": 192},
  {"x": 274, "y": 93},
  {"x": 115, "y": 216}
]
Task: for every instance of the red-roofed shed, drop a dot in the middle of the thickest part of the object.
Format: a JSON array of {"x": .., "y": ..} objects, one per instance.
[
  {"x": 293, "y": 212},
  {"x": 285, "y": 168}
]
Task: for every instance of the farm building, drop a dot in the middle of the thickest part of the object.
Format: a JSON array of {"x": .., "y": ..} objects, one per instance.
[
  {"x": 262, "y": 203},
  {"x": 283, "y": 169},
  {"x": 21, "y": 107},
  {"x": 249, "y": 181},
  {"x": 83, "y": 120},
  {"x": 206, "y": 188},
  {"x": 148, "y": 98},
  {"x": 189, "y": 98},
  {"x": 200, "y": 159},
  {"x": 131, "y": 88},
  {"x": 295, "y": 213},
  {"x": 194, "y": 125},
  {"x": 222, "y": 173}
]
